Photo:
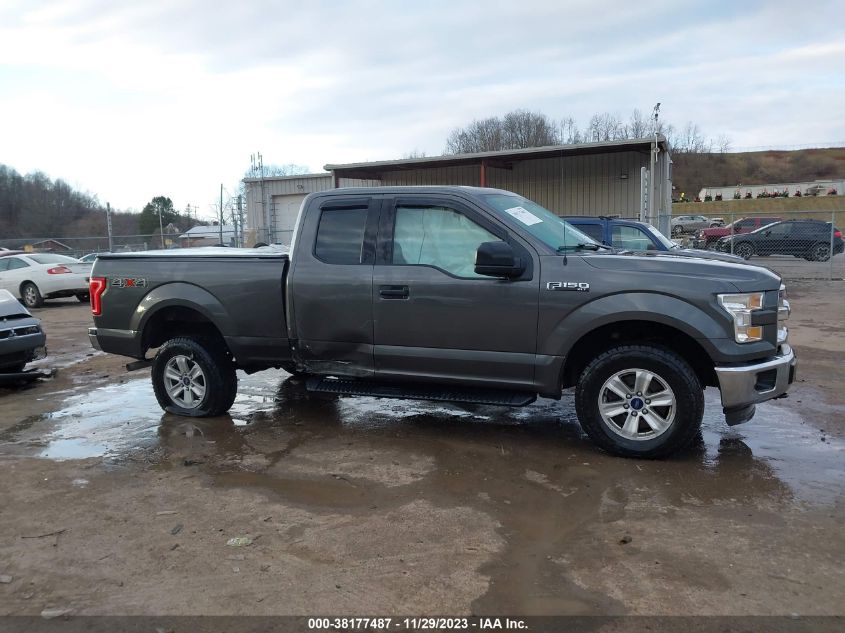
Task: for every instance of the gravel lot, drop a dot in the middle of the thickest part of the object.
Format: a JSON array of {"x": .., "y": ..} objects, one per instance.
[{"x": 365, "y": 506}]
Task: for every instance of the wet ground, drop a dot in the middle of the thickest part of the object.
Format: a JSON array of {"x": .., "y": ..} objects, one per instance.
[{"x": 364, "y": 506}]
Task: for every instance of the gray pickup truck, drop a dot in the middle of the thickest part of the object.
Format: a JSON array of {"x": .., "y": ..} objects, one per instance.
[{"x": 457, "y": 294}]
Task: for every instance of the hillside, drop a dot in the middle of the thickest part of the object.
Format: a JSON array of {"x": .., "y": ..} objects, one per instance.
[{"x": 691, "y": 172}]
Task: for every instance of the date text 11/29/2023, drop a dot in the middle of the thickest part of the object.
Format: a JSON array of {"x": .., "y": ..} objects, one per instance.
[{"x": 415, "y": 624}]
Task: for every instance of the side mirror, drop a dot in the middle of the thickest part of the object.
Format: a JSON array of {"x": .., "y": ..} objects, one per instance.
[{"x": 497, "y": 259}]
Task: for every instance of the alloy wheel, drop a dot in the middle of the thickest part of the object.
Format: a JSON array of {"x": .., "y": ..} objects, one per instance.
[{"x": 637, "y": 404}]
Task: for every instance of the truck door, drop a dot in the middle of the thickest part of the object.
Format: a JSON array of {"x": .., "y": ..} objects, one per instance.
[
  {"x": 330, "y": 285},
  {"x": 435, "y": 319}
]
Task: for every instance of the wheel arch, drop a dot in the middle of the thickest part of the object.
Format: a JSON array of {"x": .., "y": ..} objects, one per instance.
[
  {"x": 635, "y": 331},
  {"x": 180, "y": 309}
]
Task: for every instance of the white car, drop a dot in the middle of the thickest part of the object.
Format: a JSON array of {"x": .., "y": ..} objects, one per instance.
[{"x": 34, "y": 277}]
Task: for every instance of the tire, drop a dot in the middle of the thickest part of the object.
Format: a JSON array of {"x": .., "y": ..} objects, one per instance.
[
  {"x": 31, "y": 296},
  {"x": 744, "y": 250},
  {"x": 820, "y": 252},
  {"x": 670, "y": 376},
  {"x": 83, "y": 297},
  {"x": 677, "y": 230},
  {"x": 210, "y": 370}
]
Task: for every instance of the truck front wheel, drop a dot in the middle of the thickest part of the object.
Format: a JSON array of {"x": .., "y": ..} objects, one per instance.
[
  {"x": 640, "y": 401},
  {"x": 194, "y": 377}
]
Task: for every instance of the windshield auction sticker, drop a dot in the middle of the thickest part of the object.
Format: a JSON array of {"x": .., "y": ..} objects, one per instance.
[{"x": 523, "y": 215}]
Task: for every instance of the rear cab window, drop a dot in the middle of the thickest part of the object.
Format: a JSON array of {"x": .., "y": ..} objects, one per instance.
[{"x": 340, "y": 235}]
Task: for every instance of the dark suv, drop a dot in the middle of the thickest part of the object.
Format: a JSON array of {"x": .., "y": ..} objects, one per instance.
[{"x": 810, "y": 239}]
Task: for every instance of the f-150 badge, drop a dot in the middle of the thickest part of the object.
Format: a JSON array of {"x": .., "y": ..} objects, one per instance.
[{"x": 578, "y": 286}]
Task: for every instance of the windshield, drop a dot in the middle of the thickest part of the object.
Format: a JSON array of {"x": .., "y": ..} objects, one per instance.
[
  {"x": 550, "y": 229},
  {"x": 47, "y": 258},
  {"x": 661, "y": 238}
]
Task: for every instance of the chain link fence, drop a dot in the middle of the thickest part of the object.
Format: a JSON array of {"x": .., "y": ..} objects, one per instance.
[
  {"x": 795, "y": 245},
  {"x": 81, "y": 246}
]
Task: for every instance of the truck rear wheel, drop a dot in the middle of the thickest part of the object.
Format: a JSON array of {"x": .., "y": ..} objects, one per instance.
[
  {"x": 194, "y": 377},
  {"x": 640, "y": 401}
]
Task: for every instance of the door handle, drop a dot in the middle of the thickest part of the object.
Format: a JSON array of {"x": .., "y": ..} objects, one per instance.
[{"x": 393, "y": 292}]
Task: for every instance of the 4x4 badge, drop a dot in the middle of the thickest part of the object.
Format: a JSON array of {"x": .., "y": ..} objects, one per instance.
[{"x": 129, "y": 282}]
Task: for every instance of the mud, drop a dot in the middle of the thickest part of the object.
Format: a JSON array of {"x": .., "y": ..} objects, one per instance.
[{"x": 363, "y": 506}]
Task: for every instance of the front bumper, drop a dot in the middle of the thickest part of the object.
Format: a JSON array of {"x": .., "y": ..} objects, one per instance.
[{"x": 745, "y": 385}]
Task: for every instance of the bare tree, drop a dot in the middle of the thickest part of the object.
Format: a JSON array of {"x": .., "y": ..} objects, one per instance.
[
  {"x": 638, "y": 125},
  {"x": 522, "y": 128},
  {"x": 569, "y": 132},
  {"x": 515, "y": 130},
  {"x": 483, "y": 135},
  {"x": 414, "y": 153},
  {"x": 691, "y": 141},
  {"x": 604, "y": 127}
]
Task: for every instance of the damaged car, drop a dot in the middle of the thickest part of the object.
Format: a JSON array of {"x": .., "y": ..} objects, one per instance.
[{"x": 21, "y": 338}]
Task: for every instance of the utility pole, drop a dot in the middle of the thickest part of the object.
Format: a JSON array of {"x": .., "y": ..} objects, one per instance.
[
  {"x": 160, "y": 227},
  {"x": 258, "y": 169},
  {"x": 241, "y": 220},
  {"x": 652, "y": 180},
  {"x": 108, "y": 227},
  {"x": 220, "y": 224}
]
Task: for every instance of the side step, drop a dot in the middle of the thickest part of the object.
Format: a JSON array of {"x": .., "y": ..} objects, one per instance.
[{"x": 416, "y": 391}]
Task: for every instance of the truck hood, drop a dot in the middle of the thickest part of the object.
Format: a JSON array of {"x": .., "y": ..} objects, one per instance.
[
  {"x": 697, "y": 252},
  {"x": 743, "y": 277}
]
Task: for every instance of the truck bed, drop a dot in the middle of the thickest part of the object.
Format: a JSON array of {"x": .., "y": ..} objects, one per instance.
[{"x": 239, "y": 290}]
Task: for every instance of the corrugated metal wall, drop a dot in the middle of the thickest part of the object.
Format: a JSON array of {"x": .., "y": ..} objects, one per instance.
[
  {"x": 570, "y": 185},
  {"x": 591, "y": 184}
]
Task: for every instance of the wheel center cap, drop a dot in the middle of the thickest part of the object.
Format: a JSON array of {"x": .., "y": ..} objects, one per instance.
[
  {"x": 186, "y": 381},
  {"x": 637, "y": 403}
]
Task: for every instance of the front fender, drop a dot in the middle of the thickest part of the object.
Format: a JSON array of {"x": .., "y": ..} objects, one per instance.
[
  {"x": 636, "y": 306},
  {"x": 187, "y": 296}
]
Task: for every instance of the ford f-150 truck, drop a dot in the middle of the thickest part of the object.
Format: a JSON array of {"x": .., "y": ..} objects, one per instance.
[{"x": 456, "y": 294}]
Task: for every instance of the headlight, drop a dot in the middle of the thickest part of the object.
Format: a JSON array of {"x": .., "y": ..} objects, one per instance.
[
  {"x": 740, "y": 307},
  {"x": 783, "y": 315}
]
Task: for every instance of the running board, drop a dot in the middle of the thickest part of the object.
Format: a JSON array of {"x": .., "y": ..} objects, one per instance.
[{"x": 412, "y": 391}]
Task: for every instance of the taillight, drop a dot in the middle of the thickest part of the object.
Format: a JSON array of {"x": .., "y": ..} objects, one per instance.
[
  {"x": 58, "y": 270},
  {"x": 96, "y": 288},
  {"x": 837, "y": 233}
]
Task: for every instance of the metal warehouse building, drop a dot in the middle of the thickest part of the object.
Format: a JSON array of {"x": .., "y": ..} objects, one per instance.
[{"x": 608, "y": 178}]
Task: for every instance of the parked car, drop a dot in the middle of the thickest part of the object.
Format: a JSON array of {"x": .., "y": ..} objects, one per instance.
[
  {"x": 691, "y": 223},
  {"x": 21, "y": 338},
  {"x": 35, "y": 277},
  {"x": 810, "y": 239},
  {"x": 633, "y": 235},
  {"x": 707, "y": 238},
  {"x": 454, "y": 294}
]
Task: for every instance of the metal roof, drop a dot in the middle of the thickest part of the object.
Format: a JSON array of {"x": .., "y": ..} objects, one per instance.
[
  {"x": 499, "y": 156},
  {"x": 290, "y": 177}
]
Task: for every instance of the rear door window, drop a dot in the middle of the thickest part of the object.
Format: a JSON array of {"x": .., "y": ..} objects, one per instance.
[
  {"x": 15, "y": 263},
  {"x": 340, "y": 235}
]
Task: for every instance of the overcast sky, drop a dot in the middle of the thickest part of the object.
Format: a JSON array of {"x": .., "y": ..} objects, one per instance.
[{"x": 130, "y": 100}]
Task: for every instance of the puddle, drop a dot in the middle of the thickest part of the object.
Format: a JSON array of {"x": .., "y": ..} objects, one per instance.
[
  {"x": 106, "y": 421},
  {"x": 116, "y": 419}
]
